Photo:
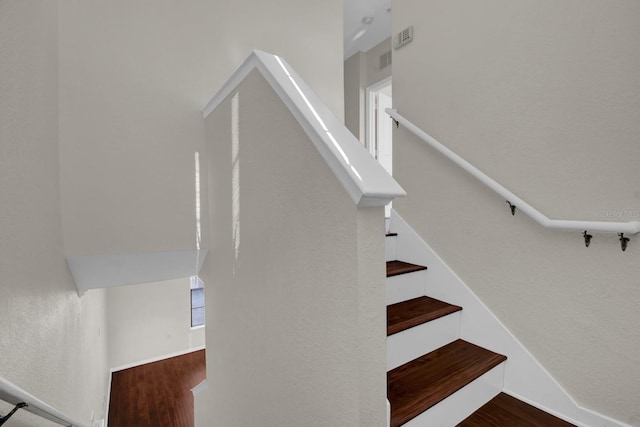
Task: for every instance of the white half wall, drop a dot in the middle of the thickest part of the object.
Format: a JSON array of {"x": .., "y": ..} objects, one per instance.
[{"x": 295, "y": 312}]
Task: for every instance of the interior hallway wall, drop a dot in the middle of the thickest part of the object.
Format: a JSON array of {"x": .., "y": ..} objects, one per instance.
[
  {"x": 150, "y": 320},
  {"x": 361, "y": 70},
  {"x": 543, "y": 96},
  {"x": 53, "y": 343}
]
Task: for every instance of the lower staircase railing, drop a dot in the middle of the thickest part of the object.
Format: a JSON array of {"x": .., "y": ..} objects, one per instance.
[{"x": 14, "y": 395}]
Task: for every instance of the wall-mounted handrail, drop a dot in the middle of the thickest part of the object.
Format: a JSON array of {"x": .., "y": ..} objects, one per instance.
[
  {"x": 14, "y": 395},
  {"x": 630, "y": 227}
]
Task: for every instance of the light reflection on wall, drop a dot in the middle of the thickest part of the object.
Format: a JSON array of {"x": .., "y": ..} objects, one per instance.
[
  {"x": 198, "y": 222},
  {"x": 317, "y": 116},
  {"x": 235, "y": 175}
]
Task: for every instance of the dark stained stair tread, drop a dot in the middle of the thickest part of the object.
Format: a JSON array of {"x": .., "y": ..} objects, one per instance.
[
  {"x": 395, "y": 268},
  {"x": 504, "y": 410},
  {"x": 414, "y": 312},
  {"x": 418, "y": 385}
]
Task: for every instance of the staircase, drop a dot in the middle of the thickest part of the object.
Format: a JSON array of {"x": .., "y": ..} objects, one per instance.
[{"x": 434, "y": 378}]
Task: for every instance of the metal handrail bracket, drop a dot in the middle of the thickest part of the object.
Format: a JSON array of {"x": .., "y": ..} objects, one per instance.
[{"x": 621, "y": 228}]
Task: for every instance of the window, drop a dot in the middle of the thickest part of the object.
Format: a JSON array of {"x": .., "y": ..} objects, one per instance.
[{"x": 197, "y": 302}]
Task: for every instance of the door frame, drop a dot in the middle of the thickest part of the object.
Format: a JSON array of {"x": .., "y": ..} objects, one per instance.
[{"x": 370, "y": 113}]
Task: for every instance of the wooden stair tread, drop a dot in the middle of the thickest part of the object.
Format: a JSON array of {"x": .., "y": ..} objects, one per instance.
[
  {"x": 504, "y": 410},
  {"x": 395, "y": 268},
  {"x": 418, "y": 385},
  {"x": 414, "y": 312}
]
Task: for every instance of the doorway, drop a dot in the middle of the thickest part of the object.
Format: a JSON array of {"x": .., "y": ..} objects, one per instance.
[{"x": 379, "y": 132}]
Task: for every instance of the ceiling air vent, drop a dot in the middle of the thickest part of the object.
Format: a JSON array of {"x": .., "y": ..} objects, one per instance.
[
  {"x": 404, "y": 37},
  {"x": 385, "y": 60}
]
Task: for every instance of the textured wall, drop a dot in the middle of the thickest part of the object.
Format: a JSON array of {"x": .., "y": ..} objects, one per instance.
[
  {"x": 53, "y": 343},
  {"x": 544, "y": 96},
  {"x": 150, "y": 320},
  {"x": 134, "y": 76},
  {"x": 308, "y": 35},
  {"x": 129, "y": 121},
  {"x": 295, "y": 331}
]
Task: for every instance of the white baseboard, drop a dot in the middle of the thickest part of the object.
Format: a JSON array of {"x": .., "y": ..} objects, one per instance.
[
  {"x": 157, "y": 359},
  {"x": 525, "y": 377},
  {"x": 200, "y": 388}
]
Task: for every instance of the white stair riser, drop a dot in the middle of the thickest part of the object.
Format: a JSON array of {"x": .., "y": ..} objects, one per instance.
[
  {"x": 462, "y": 403},
  {"x": 422, "y": 339},
  {"x": 391, "y": 248},
  {"x": 406, "y": 286}
]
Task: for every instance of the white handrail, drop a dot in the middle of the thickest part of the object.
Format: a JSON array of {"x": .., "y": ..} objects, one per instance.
[
  {"x": 365, "y": 180},
  {"x": 13, "y": 394},
  {"x": 630, "y": 227}
]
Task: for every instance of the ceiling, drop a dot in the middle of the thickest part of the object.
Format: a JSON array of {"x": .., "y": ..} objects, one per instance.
[{"x": 361, "y": 33}]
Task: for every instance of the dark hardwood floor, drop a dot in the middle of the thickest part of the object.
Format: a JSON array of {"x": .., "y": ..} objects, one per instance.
[{"x": 157, "y": 394}]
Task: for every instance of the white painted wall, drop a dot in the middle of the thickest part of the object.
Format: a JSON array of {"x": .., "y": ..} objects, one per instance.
[
  {"x": 307, "y": 35},
  {"x": 354, "y": 94},
  {"x": 114, "y": 91},
  {"x": 149, "y": 321},
  {"x": 295, "y": 296},
  {"x": 544, "y": 97},
  {"x": 133, "y": 79},
  {"x": 53, "y": 343}
]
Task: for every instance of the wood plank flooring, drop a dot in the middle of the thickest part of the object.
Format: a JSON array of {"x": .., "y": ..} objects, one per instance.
[
  {"x": 156, "y": 394},
  {"x": 504, "y": 410}
]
